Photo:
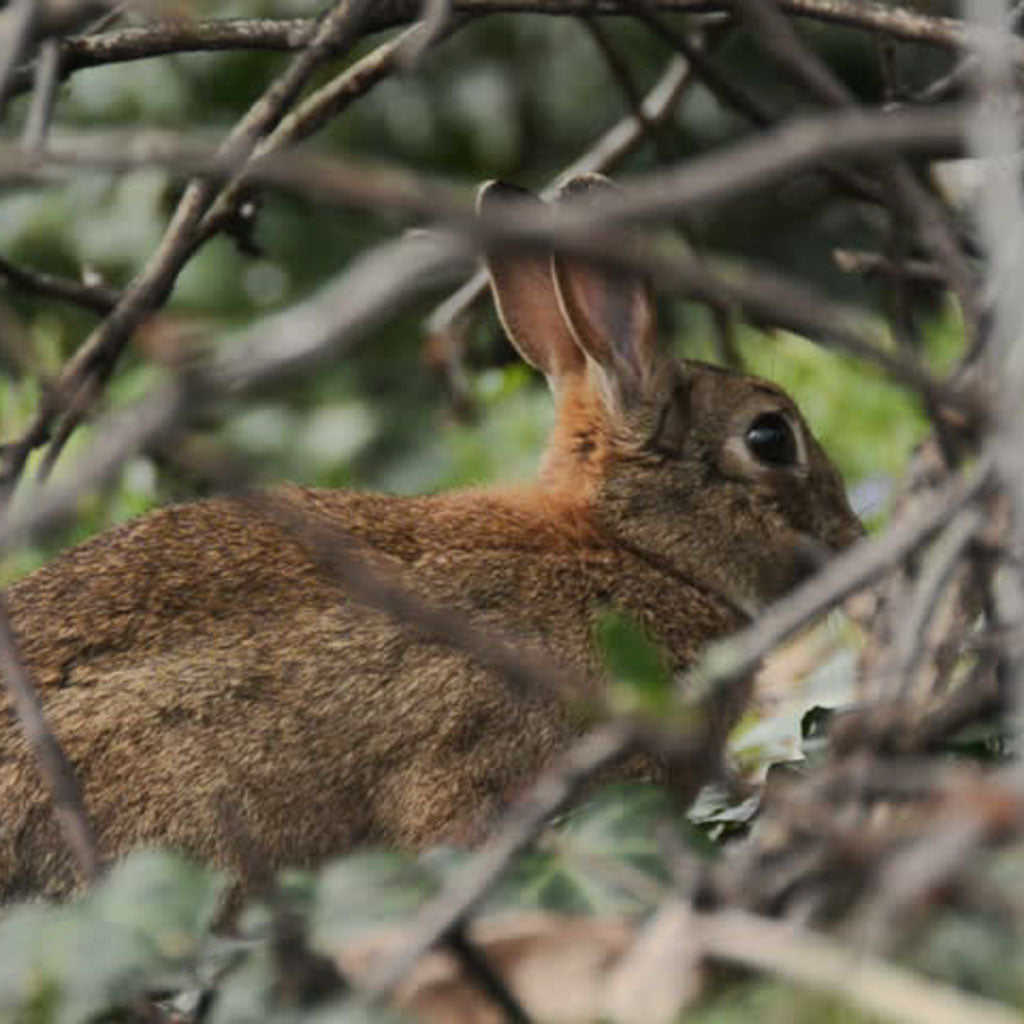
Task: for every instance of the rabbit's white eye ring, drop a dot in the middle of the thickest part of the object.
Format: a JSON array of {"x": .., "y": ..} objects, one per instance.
[{"x": 770, "y": 440}]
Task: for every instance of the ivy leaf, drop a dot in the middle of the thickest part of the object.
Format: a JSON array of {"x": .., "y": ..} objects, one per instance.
[
  {"x": 607, "y": 857},
  {"x": 365, "y": 890},
  {"x": 161, "y": 898},
  {"x": 136, "y": 931}
]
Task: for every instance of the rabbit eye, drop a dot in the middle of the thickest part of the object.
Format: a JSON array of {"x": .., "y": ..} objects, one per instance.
[{"x": 770, "y": 440}]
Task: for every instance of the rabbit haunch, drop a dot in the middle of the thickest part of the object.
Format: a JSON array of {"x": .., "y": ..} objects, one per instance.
[{"x": 217, "y": 691}]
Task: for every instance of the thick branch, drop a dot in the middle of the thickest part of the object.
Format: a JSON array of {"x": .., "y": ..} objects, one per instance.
[
  {"x": 181, "y": 36},
  {"x": 590, "y": 229},
  {"x": 814, "y": 960}
]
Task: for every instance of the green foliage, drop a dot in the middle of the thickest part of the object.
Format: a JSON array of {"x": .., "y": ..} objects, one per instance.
[
  {"x": 147, "y": 927},
  {"x": 141, "y": 930},
  {"x": 607, "y": 857},
  {"x": 367, "y": 890},
  {"x": 640, "y": 678},
  {"x": 982, "y": 951},
  {"x": 775, "y": 1003}
]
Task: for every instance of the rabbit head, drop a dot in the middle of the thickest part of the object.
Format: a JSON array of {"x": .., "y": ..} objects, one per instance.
[{"x": 712, "y": 475}]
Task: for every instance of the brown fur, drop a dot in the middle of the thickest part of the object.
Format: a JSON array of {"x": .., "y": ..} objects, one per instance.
[{"x": 198, "y": 659}]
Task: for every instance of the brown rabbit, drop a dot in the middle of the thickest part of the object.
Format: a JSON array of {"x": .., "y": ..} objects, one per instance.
[{"x": 198, "y": 658}]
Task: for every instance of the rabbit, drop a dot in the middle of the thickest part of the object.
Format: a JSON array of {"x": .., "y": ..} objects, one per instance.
[{"x": 198, "y": 659}]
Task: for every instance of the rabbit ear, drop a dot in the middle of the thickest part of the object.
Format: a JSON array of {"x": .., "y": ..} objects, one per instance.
[
  {"x": 524, "y": 292},
  {"x": 612, "y": 316}
]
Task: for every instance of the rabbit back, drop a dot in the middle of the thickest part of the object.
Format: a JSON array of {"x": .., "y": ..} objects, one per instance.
[{"x": 251, "y": 712}]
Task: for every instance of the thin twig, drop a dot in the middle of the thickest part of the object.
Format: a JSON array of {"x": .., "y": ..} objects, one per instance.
[
  {"x": 183, "y": 36},
  {"x": 745, "y": 166},
  {"x": 623, "y": 78},
  {"x": 852, "y": 261},
  {"x": 44, "y": 95},
  {"x": 54, "y": 765},
  {"x": 847, "y": 573},
  {"x": 995, "y": 136},
  {"x": 97, "y": 298},
  {"x": 614, "y": 146},
  {"x": 959, "y": 77},
  {"x": 18, "y": 27},
  {"x": 523, "y": 822},
  {"x": 488, "y": 980},
  {"x": 86, "y": 373},
  {"x": 434, "y": 19}
]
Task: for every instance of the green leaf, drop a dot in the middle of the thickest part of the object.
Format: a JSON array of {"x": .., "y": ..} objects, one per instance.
[
  {"x": 641, "y": 680},
  {"x": 604, "y": 858},
  {"x": 366, "y": 890},
  {"x": 717, "y": 815},
  {"x": 161, "y": 898},
  {"x": 815, "y": 723},
  {"x": 138, "y": 930},
  {"x": 24, "y": 986}
]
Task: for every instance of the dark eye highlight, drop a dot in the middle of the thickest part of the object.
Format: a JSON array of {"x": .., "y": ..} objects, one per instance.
[{"x": 770, "y": 440}]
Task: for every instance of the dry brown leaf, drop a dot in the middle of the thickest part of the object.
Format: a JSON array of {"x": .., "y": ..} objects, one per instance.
[{"x": 556, "y": 966}]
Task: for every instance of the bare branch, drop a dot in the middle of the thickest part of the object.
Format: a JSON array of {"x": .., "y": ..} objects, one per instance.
[
  {"x": 54, "y": 766},
  {"x": 97, "y": 298},
  {"x": 995, "y": 136},
  {"x": 436, "y": 15},
  {"x": 812, "y": 959},
  {"x": 16, "y": 30},
  {"x": 848, "y": 572},
  {"x": 180, "y": 35},
  {"x": 521, "y": 825},
  {"x": 44, "y": 96},
  {"x": 761, "y": 296},
  {"x": 742, "y": 167},
  {"x": 855, "y": 262},
  {"x": 614, "y": 146}
]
